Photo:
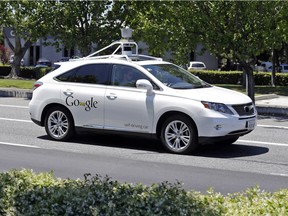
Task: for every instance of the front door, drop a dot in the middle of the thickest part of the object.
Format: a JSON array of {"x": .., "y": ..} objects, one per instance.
[{"x": 126, "y": 107}]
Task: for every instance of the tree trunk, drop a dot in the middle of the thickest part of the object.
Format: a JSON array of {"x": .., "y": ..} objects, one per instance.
[
  {"x": 273, "y": 75},
  {"x": 19, "y": 53}
]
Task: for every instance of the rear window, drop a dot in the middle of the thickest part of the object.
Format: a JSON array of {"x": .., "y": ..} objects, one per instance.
[{"x": 91, "y": 73}]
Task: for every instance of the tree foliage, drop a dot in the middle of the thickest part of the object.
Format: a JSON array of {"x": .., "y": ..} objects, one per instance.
[
  {"x": 29, "y": 20},
  {"x": 236, "y": 30},
  {"x": 86, "y": 25},
  {"x": 163, "y": 26}
]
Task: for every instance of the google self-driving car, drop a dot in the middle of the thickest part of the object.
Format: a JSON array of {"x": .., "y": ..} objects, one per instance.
[{"x": 161, "y": 100}]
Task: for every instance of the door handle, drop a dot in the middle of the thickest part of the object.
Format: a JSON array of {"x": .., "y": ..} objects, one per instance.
[
  {"x": 112, "y": 96},
  {"x": 68, "y": 92}
]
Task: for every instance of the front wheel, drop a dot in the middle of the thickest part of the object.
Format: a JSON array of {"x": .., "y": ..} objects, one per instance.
[
  {"x": 59, "y": 123},
  {"x": 179, "y": 135}
]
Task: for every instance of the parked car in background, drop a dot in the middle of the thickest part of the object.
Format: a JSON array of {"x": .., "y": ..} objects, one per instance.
[
  {"x": 266, "y": 66},
  {"x": 196, "y": 65},
  {"x": 284, "y": 68},
  {"x": 64, "y": 59},
  {"x": 43, "y": 62}
]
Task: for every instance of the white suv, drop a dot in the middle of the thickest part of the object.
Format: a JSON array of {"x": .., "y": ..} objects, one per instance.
[{"x": 131, "y": 93}]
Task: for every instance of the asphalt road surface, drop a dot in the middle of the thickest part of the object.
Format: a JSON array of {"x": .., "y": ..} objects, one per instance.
[{"x": 259, "y": 158}]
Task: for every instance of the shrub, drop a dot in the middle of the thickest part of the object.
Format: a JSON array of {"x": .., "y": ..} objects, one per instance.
[
  {"x": 236, "y": 77},
  {"x": 26, "y": 72},
  {"x": 219, "y": 77},
  {"x": 5, "y": 70},
  {"x": 25, "y": 193}
]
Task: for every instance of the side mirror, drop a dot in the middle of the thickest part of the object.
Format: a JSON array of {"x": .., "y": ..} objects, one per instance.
[{"x": 145, "y": 84}]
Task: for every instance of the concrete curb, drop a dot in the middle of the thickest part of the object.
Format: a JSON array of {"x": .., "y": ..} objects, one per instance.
[
  {"x": 272, "y": 111},
  {"x": 14, "y": 92}
]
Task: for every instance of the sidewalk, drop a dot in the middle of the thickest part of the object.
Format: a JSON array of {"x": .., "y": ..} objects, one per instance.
[{"x": 273, "y": 105}]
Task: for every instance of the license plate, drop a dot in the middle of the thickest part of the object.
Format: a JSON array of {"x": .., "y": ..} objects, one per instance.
[{"x": 250, "y": 124}]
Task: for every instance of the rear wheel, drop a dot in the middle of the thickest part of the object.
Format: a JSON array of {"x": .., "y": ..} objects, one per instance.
[
  {"x": 59, "y": 123},
  {"x": 178, "y": 135}
]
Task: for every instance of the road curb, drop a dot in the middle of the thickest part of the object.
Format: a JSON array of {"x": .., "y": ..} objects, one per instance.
[
  {"x": 14, "y": 92},
  {"x": 272, "y": 111}
]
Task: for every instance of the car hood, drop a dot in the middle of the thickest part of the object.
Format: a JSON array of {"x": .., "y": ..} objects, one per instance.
[{"x": 215, "y": 94}]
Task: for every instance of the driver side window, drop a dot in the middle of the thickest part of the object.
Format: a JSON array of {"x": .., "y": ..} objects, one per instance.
[{"x": 127, "y": 76}]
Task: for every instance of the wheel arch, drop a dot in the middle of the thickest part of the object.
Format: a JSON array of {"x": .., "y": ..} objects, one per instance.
[
  {"x": 47, "y": 107},
  {"x": 164, "y": 116}
]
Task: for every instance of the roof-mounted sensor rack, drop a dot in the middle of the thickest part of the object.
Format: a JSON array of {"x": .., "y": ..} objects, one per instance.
[{"x": 125, "y": 49}]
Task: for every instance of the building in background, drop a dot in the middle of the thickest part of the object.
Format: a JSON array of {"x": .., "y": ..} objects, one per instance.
[{"x": 39, "y": 51}]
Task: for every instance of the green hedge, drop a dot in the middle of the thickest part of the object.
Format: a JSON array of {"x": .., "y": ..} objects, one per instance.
[
  {"x": 26, "y": 72},
  {"x": 236, "y": 77},
  {"x": 25, "y": 193},
  {"x": 5, "y": 70}
]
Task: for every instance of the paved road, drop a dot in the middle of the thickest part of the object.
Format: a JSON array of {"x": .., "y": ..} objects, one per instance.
[{"x": 258, "y": 158}]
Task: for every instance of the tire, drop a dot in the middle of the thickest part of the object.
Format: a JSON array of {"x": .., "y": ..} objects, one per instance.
[
  {"x": 179, "y": 135},
  {"x": 59, "y": 124}
]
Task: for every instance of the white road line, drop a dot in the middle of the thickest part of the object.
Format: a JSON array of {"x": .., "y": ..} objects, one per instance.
[
  {"x": 279, "y": 174},
  {"x": 19, "y": 145},
  {"x": 14, "y": 106},
  {"x": 264, "y": 143},
  {"x": 273, "y": 126},
  {"x": 19, "y": 120}
]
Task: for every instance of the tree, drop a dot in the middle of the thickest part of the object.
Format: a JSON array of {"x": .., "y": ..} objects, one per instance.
[
  {"x": 82, "y": 24},
  {"x": 239, "y": 31},
  {"x": 29, "y": 20},
  {"x": 164, "y": 26},
  {"x": 235, "y": 30}
]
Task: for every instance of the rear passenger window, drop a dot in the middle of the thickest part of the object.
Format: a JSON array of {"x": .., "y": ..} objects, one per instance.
[{"x": 92, "y": 73}]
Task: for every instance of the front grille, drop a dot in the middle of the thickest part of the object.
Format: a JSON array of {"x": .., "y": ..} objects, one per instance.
[{"x": 244, "y": 109}]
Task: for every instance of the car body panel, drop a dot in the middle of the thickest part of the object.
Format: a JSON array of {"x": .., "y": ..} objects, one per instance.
[{"x": 131, "y": 109}]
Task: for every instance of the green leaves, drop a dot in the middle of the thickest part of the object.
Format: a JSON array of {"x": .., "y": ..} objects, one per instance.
[{"x": 24, "y": 192}]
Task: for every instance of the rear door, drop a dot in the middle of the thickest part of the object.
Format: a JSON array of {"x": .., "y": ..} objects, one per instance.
[{"x": 83, "y": 94}]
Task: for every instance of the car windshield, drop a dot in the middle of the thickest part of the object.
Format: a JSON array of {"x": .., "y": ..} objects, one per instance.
[{"x": 175, "y": 77}]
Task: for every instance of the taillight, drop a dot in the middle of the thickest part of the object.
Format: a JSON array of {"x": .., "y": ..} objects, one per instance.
[{"x": 36, "y": 85}]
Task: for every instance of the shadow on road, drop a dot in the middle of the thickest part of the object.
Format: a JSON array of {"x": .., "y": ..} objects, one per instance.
[
  {"x": 155, "y": 146},
  {"x": 115, "y": 141},
  {"x": 230, "y": 151}
]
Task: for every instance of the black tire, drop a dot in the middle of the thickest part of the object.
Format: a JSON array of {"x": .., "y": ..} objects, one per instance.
[
  {"x": 179, "y": 135},
  {"x": 59, "y": 124}
]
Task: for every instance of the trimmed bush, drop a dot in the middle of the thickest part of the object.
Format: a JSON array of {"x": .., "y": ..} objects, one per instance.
[
  {"x": 25, "y": 193},
  {"x": 5, "y": 70},
  {"x": 219, "y": 77},
  {"x": 236, "y": 77},
  {"x": 26, "y": 72}
]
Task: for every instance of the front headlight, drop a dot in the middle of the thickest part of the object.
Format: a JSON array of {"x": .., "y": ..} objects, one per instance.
[{"x": 219, "y": 107}]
